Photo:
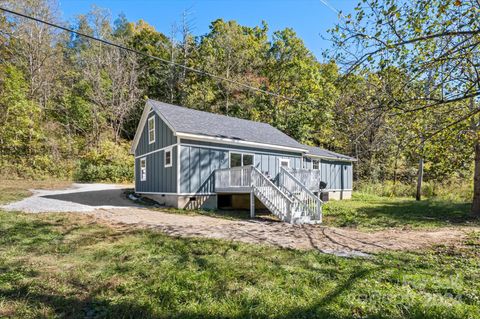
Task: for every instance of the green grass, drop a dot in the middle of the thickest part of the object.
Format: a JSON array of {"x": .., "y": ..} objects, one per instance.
[
  {"x": 65, "y": 266},
  {"x": 374, "y": 212},
  {"x": 15, "y": 190}
]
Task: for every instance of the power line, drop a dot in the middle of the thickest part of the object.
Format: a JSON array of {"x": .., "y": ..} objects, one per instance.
[
  {"x": 105, "y": 42},
  {"x": 328, "y": 5}
]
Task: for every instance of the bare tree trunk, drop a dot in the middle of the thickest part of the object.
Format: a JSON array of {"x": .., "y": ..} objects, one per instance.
[
  {"x": 476, "y": 181},
  {"x": 418, "y": 196}
]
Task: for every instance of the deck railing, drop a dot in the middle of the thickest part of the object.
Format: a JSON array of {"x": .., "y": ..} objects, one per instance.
[
  {"x": 308, "y": 203},
  {"x": 308, "y": 177},
  {"x": 235, "y": 177},
  {"x": 291, "y": 201},
  {"x": 271, "y": 196}
]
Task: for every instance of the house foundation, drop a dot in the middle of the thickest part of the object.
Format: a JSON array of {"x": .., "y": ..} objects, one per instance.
[{"x": 185, "y": 201}]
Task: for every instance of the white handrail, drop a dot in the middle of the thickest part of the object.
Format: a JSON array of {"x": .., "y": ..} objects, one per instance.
[
  {"x": 233, "y": 177},
  {"x": 291, "y": 201},
  {"x": 308, "y": 177},
  {"x": 271, "y": 196},
  {"x": 309, "y": 202}
]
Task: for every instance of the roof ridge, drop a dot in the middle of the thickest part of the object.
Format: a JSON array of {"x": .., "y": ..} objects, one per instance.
[{"x": 211, "y": 113}]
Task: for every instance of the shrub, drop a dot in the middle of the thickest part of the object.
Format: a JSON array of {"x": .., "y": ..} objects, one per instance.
[{"x": 109, "y": 162}]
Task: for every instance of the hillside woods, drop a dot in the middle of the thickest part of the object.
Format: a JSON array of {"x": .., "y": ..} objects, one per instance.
[{"x": 70, "y": 105}]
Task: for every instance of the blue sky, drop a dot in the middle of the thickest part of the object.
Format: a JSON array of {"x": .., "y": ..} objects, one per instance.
[{"x": 309, "y": 18}]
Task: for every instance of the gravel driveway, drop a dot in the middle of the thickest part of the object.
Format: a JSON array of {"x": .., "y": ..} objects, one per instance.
[{"x": 77, "y": 198}]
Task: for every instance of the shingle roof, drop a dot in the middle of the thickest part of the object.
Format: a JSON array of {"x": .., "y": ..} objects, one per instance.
[
  {"x": 317, "y": 151},
  {"x": 191, "y": 121}
]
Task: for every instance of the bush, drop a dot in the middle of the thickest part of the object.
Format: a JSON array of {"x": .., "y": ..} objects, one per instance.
[{"x": 110, "y": 162}]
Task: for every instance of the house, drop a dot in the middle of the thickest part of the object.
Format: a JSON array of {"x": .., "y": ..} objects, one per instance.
[{"x": 187, "y": 158}]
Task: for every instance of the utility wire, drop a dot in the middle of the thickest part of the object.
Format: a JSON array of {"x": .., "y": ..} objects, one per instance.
[
  {"x": 328, "y": 5},
  {"x": 105, "y": 42}
]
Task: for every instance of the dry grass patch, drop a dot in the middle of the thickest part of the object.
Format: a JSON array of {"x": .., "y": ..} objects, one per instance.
[{"x": 17, "y": 189}]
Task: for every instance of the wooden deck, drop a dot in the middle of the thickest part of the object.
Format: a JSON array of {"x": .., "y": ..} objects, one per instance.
[{"x": 289, "y": 199}]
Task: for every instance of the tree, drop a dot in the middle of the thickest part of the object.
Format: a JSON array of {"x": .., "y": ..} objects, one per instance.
[
  {"x": 293, "y": 71},
  {"x": 435, "y": 40},
  {"x": 236, "y": 53},
  {"x": 112, "y": 74},
  {"x": 33, "y": 47},
  {"x": 20, "y": 132}
]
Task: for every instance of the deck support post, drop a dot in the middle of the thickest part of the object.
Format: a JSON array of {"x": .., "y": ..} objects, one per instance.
[{"x": 252, "y": 204}]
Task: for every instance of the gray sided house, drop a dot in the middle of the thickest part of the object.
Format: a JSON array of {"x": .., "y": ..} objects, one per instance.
[{"x": 192, "y": 159}]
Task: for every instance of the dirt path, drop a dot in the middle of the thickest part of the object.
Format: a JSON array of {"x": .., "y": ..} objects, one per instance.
[{"x": 338, "y": 241}]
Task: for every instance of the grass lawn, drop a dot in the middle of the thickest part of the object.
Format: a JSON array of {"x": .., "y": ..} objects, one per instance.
[
  {"x": 54, "y": 265},
  {"x": 373, "y": 212},
  {"x": 14, "y": 190},
  {"x": 68, "y": 266}
]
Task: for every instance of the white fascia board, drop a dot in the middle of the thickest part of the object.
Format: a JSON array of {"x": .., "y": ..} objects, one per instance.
[
  {"x": 143, "y": 120},
  {"x": 141, "y": 125},
  {"x": 230, "y": 141},
  {"x": 330, "y": 158},
  {"x": 162, "y": 118}
]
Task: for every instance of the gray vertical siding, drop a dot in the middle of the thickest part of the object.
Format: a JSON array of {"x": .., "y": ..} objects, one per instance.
[
  {"x": 163, "y": 137},
  {"x": 269, "y": 164},
  {"x": 160, "y": 179},
  {"x": 198, "y": 162},
  {"x": 307, "y": 163},
  {"x": 337, "y": 175},
  {"x": 197, "y": 165},
  {"x": 347, "y": 176}
]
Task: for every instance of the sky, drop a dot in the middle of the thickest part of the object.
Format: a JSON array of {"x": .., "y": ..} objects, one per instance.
[{"x": 309, "y": 18}]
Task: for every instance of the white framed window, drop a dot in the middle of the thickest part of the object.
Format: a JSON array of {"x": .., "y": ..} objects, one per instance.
[
  {"x": 143, "y": 169},
  {"x": 316, "y": 164},
  {"x": 167, "y": 157},
  {"x": 151, "y": 130},
  {"x": 284, "y": 162},
  {"x": 240, "y": 159}
]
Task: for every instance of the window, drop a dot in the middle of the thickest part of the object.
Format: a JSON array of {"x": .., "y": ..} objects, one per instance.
[
  {"x": 247, "y": 159},
  {"x": 240, "y": 159},
  {"x": 143, "y": 169},
  {"x": 235, "y": 159},
  {"x": 316, "y": 164},
  {"x": 284, "y": 162},
  {"x": 168, "y": 157},
  {"x": 151, "y": 130}
]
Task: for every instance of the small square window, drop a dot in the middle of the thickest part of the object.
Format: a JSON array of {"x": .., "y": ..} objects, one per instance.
[
  {"x": 151, "y": 130},
  {"x": 284, "y": 162},
  {"x": 143, "y": 169},
  {"x": 168, "y": 158},
  {"x": 316, "y": 164}
]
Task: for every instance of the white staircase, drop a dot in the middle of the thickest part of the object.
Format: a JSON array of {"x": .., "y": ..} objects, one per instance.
[
  {"x": 291, "y": 201},
  {"x": 279, "y": 203},
  {"x": 307, "y": 203}
]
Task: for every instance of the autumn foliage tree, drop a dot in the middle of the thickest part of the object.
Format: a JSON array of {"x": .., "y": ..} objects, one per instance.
[{"x": 438, "y": 44}]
